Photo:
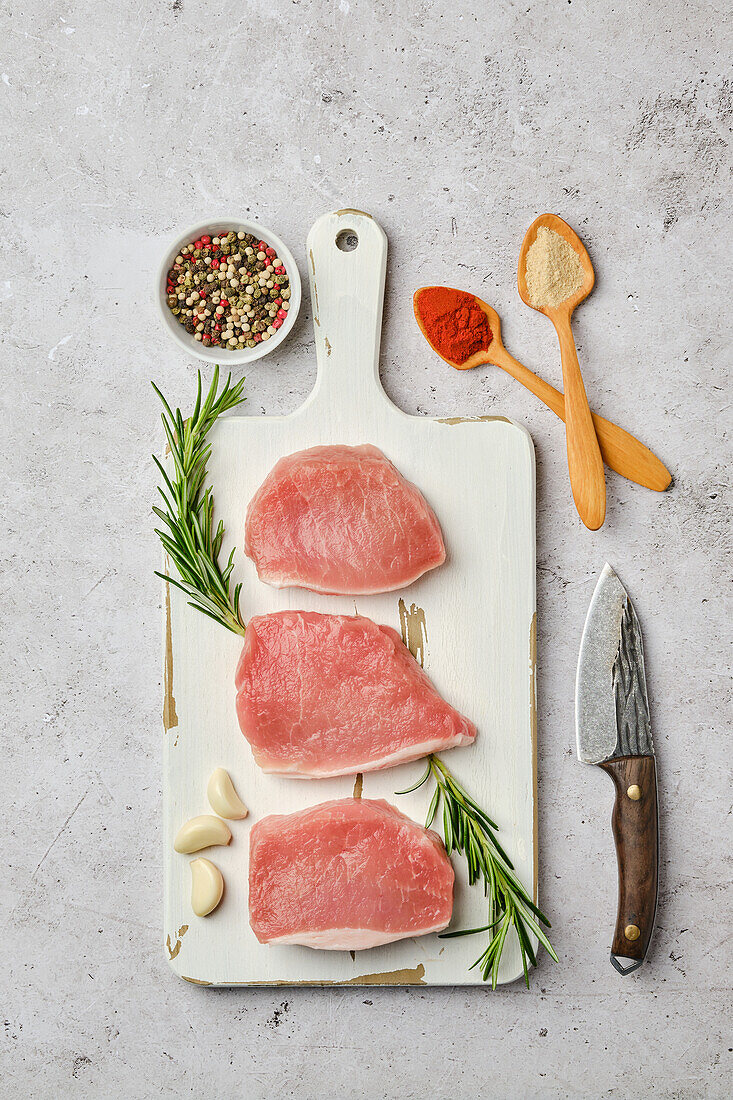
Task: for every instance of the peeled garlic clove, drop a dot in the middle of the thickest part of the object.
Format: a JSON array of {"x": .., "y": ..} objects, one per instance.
[
  {"x": 223, "y": 798},
  {"x": 207, "y": 886},
  {"x": 201, "y": 832}
]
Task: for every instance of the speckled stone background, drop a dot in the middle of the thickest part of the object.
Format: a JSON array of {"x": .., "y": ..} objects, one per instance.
[{"x": 454, "y": 124}]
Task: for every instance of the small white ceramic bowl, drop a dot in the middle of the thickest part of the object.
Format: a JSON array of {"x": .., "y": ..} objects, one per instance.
[{"x": 224, "y": 356}]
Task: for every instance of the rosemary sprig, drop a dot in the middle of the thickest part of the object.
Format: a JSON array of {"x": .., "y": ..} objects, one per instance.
[
  {"x": 467, "y": 829},
  {"x": 191, "y": 540}
]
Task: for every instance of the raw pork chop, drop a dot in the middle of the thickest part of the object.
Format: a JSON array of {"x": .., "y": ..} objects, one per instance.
[
  {"x": 321, "y": 695},
  {"x": 343, "y": 520},
  {"x": 346, "y": 875}
]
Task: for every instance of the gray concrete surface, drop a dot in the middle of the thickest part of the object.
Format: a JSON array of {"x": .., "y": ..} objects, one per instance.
[{"x": 454, "y": 124}]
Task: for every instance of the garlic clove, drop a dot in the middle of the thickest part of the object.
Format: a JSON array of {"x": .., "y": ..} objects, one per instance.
[
  {"x": 207, "y": 886},
  {"x": 201, "y": 832},
  {"x": 223, "y": 798}
]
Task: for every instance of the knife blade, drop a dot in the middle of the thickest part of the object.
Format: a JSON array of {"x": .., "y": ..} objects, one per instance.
[{"x": 614, "y": 732}]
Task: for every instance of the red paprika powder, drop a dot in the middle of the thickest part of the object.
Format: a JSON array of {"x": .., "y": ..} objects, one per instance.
[{"x": 455, "y": 325}]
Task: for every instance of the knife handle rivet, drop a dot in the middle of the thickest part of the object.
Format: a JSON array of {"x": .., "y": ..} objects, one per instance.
[
  {"x": 634, "y": 792},
  {"x": 631, "y": 932}
]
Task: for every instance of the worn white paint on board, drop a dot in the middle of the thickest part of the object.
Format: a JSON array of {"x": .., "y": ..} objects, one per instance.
[{"x": 479, "y": 610}]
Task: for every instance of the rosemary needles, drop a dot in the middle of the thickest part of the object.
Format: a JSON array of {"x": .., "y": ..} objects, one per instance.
[
  {"x": 467, "y": 829},
  {"x": 191, "y": 540}
]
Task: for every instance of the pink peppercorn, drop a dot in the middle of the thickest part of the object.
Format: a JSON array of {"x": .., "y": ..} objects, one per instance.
[
  {"x": 281, "y": 315},
  {"x": 276, "y": 323},
  {"x": 206, "y": 240}
]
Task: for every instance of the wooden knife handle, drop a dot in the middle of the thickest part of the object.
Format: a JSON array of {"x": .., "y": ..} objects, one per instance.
[{"x": 636, "y": 832}]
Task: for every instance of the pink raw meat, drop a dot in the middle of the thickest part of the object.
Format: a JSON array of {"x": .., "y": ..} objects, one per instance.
[
  {"x": 321, "y": 695},
  {"x": 342, "y": 520},
  {"x": 346, "y": 875}
]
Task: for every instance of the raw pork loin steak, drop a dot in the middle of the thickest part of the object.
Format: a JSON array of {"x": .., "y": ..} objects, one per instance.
[
  {"x": 346, "y": 875},
  {"x": 321, "y": 695},
  {"x": 341, "y": 520}
]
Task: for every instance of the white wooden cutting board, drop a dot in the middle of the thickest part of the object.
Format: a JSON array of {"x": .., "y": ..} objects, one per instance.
[{"x": 472, "y": 621}]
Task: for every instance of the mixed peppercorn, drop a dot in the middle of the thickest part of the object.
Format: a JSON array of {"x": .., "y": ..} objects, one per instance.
[{"x": 229, "y": 291}]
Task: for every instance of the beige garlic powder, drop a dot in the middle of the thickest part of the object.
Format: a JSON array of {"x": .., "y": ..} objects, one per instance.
[{"x": 554, "y": 269}]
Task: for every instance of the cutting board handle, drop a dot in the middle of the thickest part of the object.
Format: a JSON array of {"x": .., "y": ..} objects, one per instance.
[{"x": 347, "y": 262}]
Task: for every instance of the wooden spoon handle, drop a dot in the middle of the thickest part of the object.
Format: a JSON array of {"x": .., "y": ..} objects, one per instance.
[
  {"x": 620, "y": 450},
  {"x": 584, "y": 456}
]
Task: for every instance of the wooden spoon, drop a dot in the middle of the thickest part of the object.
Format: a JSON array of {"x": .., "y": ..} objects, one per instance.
[
  {"x": 584, "y": 456},
  {"x": 620, "y": 450}
]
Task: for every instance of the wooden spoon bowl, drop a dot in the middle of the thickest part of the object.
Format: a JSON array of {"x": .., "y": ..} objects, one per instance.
[
  {"x": 584, "y": 456},
  {"x": 551, "y": 221},
  {"x": 479, "y": 357}
]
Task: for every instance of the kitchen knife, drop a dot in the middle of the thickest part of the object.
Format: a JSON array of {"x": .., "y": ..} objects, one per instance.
[{"x": 613, "y": 731}]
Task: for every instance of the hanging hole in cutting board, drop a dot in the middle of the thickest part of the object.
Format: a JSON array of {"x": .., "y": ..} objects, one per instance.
[{"x": 347, "y": 240}]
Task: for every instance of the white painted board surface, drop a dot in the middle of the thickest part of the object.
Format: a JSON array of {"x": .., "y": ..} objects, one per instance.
[{"x": 479, "y": 611}]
